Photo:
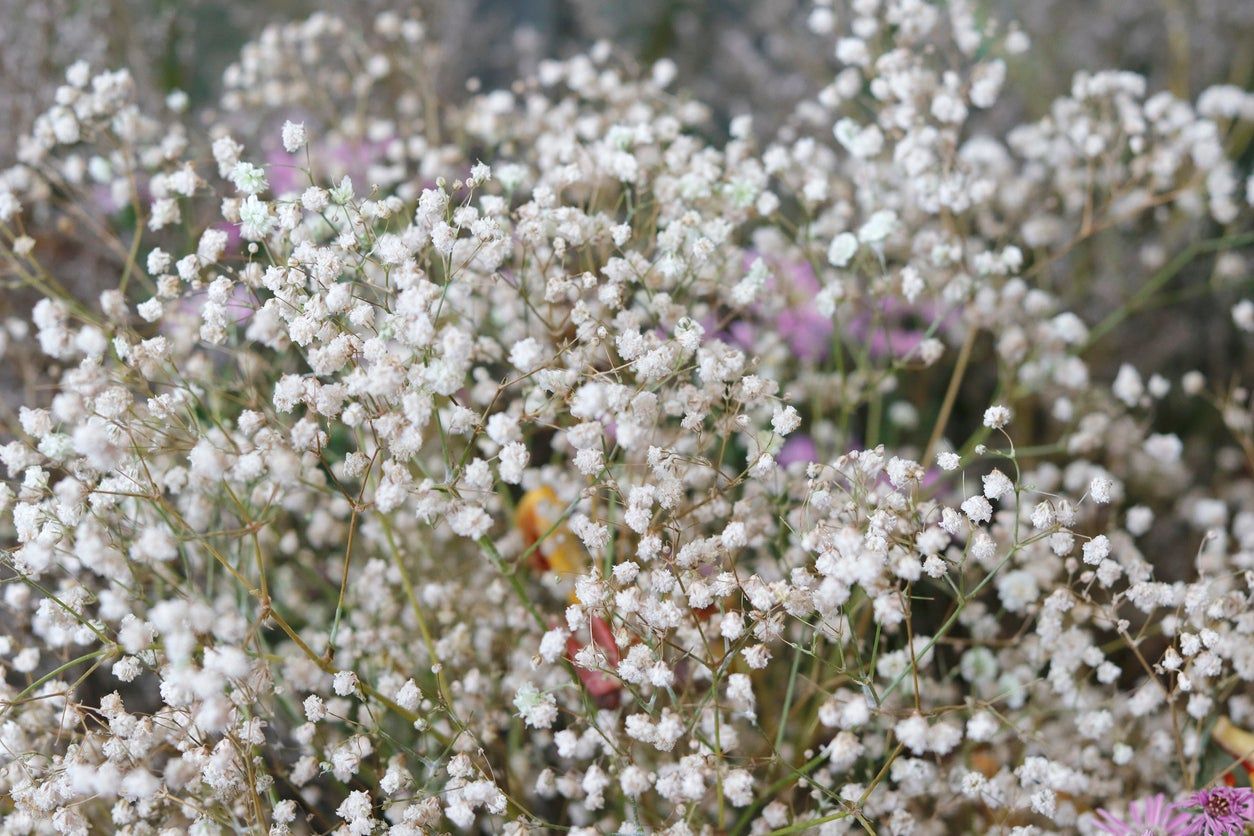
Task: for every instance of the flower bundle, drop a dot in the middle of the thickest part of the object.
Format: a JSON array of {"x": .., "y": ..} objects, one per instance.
[{"x": 543, "y": 462}]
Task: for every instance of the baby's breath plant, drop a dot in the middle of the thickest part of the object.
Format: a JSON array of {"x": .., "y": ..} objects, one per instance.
[{"x": 544, "y": 461}]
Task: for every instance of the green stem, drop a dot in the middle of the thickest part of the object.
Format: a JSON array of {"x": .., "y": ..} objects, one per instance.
[{"x": 1164, "y": 275}]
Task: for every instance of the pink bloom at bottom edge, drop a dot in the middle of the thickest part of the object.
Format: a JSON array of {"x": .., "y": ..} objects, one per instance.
[
  {"x": 1223, "y": 810},
  {"x": 1153, "y": 815}
]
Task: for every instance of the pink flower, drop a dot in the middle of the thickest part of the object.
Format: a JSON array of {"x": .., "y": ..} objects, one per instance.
[
  {"x": 798, "y": 448},
  {"x": 807, "y": 332},
  {"x": 902, "y": 329},
  {"x": 233, "y": 236},
  {"x": 284, "y": 172},
  {"x": 1153, "y": 816},
  {"x": 352, "y": 158},
  {"x": 1223, "y": 810},
  {"x": 332, "y": 158}
]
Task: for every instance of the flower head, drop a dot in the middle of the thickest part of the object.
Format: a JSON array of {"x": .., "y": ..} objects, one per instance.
[
  {"x": 1154, "y": 815},
  {"x": 1223, "y": 810}
]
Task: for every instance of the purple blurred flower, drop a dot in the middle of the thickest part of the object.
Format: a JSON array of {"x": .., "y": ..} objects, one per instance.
[
  {"x": 931, "y": 477},
  {"x": 1153, "y": 816},
  {"x": 352, "y": 158},
  {"x": 283, "y": 170},
  {"x": 234, "y": 238},
  {"x": 807, "y": 333},
  {"x": 798, "y": 448},
  {"x": 742, "y": 334},
  {"x": 333, "y": 158},
  {"x": 895, "y": 335}
]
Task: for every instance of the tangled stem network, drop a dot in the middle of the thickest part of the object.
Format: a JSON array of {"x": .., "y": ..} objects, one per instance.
[{"x": 569, "y": 458}]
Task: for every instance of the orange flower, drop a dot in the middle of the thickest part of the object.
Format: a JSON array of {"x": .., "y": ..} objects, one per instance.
[
  {"x": 1237, "y": 742},
  {"x": 539, "y": 518}
]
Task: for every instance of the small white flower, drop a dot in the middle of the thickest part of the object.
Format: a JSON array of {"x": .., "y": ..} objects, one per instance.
[
  {"x": 344, "y": 683},
  {"x": 748, "y": 288},
  {"x": 9, "y": 206},
  {"x": 997, "y": 485},
  {"x": 527, "y": 355},
  {"x": 1128, "y": 386},
  {"x": 248, "y": 178},
  {"x": 256, "y": 222},
  {"x": 151, "y": 310},
  {"x": 314, "y": 199},
  {"x": 842, "y": 249},
  {"x": 1101, "y": 490},
  {"x": 1017, "y": 589},
  {"x": 997, "y": 417},
  {"x": 878, "y": 227},
  {"x": 1243, "y": 315},
  {"x": 785, "y": 420},
  {"x": 978, "y": 509},
  {"x": 408, "y": 696},
  {"x": 537, "y": 709},
  {"x": 315, "y": 708},
  {"x": 514, "y": 459},
  {"x": 1043, "y": 515},
  {"x": 293, "y": 136},
  {"x": 1096, "y": 550}
]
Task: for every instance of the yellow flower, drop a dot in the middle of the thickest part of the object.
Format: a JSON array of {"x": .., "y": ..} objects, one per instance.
[
  {"x": 1234, "y": 740},
  {"x": 539, "y": 518}
]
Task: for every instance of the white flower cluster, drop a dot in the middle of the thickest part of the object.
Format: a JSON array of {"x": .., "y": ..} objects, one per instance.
[{"x": 536, "y": 462}]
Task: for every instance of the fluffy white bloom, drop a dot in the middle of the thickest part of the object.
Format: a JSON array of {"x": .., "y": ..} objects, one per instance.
[
  {"x": 1243, "y": 315},
  {"x": 842, "y": 248},
  {"x": 344, "y": 683},
  {"x": 537, "y": 709},
  {"x": 527, "y": 355},
  {"x": 1096, "y": 550},
  {"x": 785, "y": 420},
  {"x": 878, "y": 227},
  {"x": 1128, "y": 386},
  {"x": 470, "y": 521},
  {"x": 248, "y": 178},
  {"x": 1017, "y": 589},
  {"x": 514, "y": 459},
  {"x": 997, "y": 485},
  {"x": 293, "y": 136},
  {"x": 997, "y": 417},
  {"x": 10, "y": 206},
  {"x": 1101, "y": 489},
  {"x": 977, "y": 509},
  {"x": 256, "y": 222}
]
